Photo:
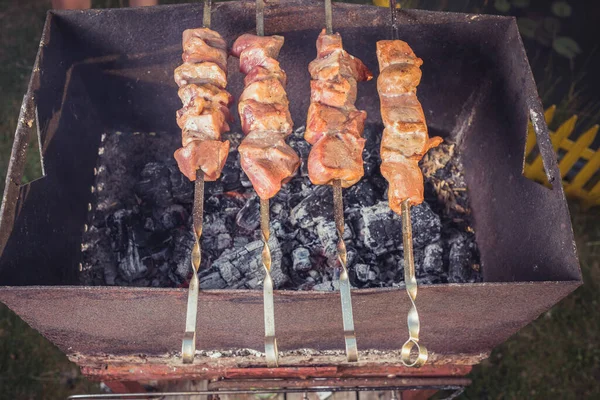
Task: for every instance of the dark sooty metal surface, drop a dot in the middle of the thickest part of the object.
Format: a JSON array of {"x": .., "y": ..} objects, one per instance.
[{"x": 112, "y": 69}]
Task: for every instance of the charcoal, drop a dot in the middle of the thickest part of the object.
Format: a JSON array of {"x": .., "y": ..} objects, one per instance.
[
  {"x": 110, "y": 274},
  {"x": 371, "y": 159},
  {"x": 327, "y": 286},
  {"x": 118, "y": 228},
  {"x": 327, "y": 244},
  {"x": 240, "y": 266},
  {"x": 301, "y": 259},
  {"x": 426, "y": 225},
  {"x": 213, "y": 225},
  {"x": 382, "y": 230},
  {"x": 212, "y": 281},
  {"x": 149, "y": 224},
  {"x": 164, "y": 267},
  {"x": 244, "y": 181},
  {"x": 183, "y": 241},
  {"x": 140, "y": 225},
  {"x": 248, "y": 218},
  {"x": 228, "y": 271},
  {"x": 278, "y": 229},
  {"x": 230, "y": 178},
  {"x": 240, "y": 241},
  {"x": 160, "y": 256},
  {"x": 306, "y": 238},
  {"x": 182, "y": 189},
  {"x": 459, "y": 260},
  {"x": 303, "y": 149},
  {"x": 223, "y": 205},
  {"x": 362, "y": 194},
  {"x": 364, "y": 273},
  {"x": 130, "y": 264},
  {"x": 426, "y": 280},
  {"x": 174, "y": 216},
  {"x": 278, "y": 210},
  {"x": 351, "y": 255},
  {"x": 142, "y": 282},
  {"x": 314, "y": 274},
  {"x": 433, "y": 262},
  {"x": 155, "y": 184},
  {"x": 313, "y": 208},
  {"x": 223, "y": 241}
]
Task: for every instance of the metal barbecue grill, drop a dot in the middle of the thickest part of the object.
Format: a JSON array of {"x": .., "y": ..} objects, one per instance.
[{"x": 111, "y": 70}]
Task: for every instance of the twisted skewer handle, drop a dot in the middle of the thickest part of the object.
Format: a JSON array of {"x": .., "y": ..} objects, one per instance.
[
  {"x": 411, "y": 288},
  {"x": 188, "y": 347},
  {"x": 347, "y": 315},
  {"x": 269, "y": 308}
]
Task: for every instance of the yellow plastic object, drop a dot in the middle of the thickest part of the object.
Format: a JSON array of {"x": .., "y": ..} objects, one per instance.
[
  {"x": 384, "y": 3},
  {"x": 576, "y": 187}
]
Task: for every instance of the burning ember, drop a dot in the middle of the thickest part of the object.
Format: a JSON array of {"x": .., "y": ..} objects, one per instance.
[{"x": 140, "y": 226}]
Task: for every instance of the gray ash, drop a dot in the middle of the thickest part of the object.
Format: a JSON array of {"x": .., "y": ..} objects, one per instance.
[{"x": 140, "y": 223}]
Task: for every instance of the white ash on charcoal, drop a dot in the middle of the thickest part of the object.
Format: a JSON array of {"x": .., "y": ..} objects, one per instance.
[
  {"x": 140, "y": 225},
  {"x": 236, "y": 264}
]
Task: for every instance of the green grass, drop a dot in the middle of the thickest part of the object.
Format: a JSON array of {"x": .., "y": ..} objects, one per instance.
[
  {"x": 20, "y": 30},
  {"x": 33, "y": 368},
  {"x": 556, "y": 357}
]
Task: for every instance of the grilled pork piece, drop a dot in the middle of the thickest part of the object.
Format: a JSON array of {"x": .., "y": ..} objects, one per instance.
[
  {"x": 405, "y": 140},
  {"x": 264, "y": 111},
  {"x": 203, "y": 118},
  {"x": 334, "y": 126}
]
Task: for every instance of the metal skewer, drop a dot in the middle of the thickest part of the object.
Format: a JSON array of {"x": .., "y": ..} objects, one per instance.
[
  {"x": 328, "y": 17},
  {"x": 409, "y": 265},
  {"x": 338, "y": 213},
  {"x": 347, "y": 316},
  {"x": 411, "y": 288},
  {"x": 188, "y": 346},
  {"x": 271, "y": 351},
  {"x": 269, "y": 307}
]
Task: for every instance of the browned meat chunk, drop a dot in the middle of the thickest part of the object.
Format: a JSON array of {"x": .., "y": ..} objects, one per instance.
[
  {"x": 336, "y": 157},
  {"x": 265, "y": 157},
  {"x": 405, "y": 140},
  {"x": 209, "y": 156},
  {"x": 203, "y": 118},
  {"x": 334, "y": 126}
]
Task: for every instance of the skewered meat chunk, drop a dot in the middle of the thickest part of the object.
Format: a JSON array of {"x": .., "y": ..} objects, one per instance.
[
  {"x": 340, "y": 157},
  {"x": 334, "y": 126},
  {"x": 264, "y": 111},
  {"x": 202, "y": 73},
  {"x": 203, "y": 118},
  {"x": 190, "y": 93},
  {"x": 405, "y": 140},
  {"x": 327, "y": 120},
  {"x": 204, "y": 45},
  {"x": 210, "y": 155},
  {"x": 268, "y": 161},
  {"x": 210, "y": 37}
]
